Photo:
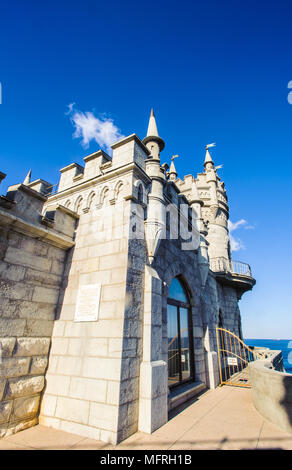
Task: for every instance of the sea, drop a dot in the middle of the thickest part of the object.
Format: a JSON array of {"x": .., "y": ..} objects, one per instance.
[{"x": 284, "y": 345}]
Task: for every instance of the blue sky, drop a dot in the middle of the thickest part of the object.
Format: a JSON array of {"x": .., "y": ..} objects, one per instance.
[{"x": 214, "y": 72}]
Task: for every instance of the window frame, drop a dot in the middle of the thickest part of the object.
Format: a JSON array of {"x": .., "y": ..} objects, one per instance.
[{"x": 186, "y": 305}]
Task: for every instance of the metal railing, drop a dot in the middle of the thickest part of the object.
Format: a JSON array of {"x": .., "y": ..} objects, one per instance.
[
  {"x": 241, "y": 268},
  {"x": 224, "y": 265},
  {"x": 233, "y": 358}
]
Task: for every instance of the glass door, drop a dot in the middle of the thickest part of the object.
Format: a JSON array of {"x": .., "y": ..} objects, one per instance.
[
  {"x": 173, "y": 346},
  {"x": 179, "y": 327},
  {"x": 185, "y": 344}
]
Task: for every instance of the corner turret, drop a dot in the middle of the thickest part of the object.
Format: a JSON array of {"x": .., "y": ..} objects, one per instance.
[
  {"x": 215, "y": 213},
  {"x": 172, "y": 171},
  {"x": 153, "y": 142},
  {"x": 208, "y": 164},
  {"x": 155, "y": 223}
]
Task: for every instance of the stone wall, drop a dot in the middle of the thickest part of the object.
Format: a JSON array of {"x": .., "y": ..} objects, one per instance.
[
  {"x": 91, "y": 363},
  {"x": 206, "y": 303},
  {"x": 272, "y": 390},
  {"x": 31, "y": 269},
  {"x": 92, "y": 381},
  {"x": 132, "y": 338},
  {"x": 172, "y": 262}
]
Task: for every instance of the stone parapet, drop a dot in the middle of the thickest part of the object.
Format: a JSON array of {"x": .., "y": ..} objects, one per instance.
[{"x": 272, "y": 389}]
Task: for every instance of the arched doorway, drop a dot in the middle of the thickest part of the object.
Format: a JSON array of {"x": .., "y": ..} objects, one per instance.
[{"x": 180, "y": 337}]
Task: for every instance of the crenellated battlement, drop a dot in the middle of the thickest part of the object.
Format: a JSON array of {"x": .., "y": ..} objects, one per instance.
[{"x": 25, "y": 209}]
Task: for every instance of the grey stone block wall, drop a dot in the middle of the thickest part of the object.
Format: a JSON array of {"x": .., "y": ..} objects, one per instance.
[
  {"x": 91, "y": 381},
  {"x": 132, "y": 342},
  {"x": 31, "y": 272},
  {"x": 29, "y": 283}
]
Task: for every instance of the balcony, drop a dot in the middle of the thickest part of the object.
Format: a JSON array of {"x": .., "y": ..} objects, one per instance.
[
  {"x": 233, "y": 273},
  {"x": 240, "y": 268}
]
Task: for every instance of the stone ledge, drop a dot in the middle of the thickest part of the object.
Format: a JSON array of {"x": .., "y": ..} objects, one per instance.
[
  {"x": 8, "y": 429},
  {"x": 35, "y": 231},
  {"x": 184, "y": 393}
]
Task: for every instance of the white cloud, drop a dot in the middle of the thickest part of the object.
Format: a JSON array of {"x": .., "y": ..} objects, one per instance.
[
  {"x": 70, "y": 108},
  {"x": 234, "y": 226},
  {"x": 90, "y": 128},
  {"x": 235, "y": 242}
]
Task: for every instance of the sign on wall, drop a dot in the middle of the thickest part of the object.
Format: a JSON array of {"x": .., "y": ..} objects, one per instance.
[{"x": 87, "y": 305}]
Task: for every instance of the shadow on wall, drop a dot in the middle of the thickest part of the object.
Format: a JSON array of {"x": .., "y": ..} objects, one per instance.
[
  {"x": 58, "y": 309},
  {"x": 286, "y": 403},
  {"x": 65, "y": 280}
]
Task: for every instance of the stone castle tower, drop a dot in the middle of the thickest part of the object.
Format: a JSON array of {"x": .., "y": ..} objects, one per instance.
[{"x": 111, "y": 289}]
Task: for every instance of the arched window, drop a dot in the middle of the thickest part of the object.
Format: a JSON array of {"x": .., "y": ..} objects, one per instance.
[
  {"x": 119, "y": 191},
  {"x": 105, "y": 196},
  {"x": 90, "y": 200},
  {"x": 78, "y": 205},
  {"x": 180, "y": 338}
]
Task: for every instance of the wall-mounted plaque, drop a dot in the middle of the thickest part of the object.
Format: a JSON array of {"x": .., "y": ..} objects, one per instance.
[{"x": 87, "y": 306}]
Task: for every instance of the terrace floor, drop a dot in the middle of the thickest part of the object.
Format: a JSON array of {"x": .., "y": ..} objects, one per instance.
[{"x": 217, "y": 419}]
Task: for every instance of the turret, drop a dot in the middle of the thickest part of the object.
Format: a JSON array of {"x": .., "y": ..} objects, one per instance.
[
  {"x": 152, "y": 141},
  {"x": 215, "y": 213},
  {"x": 209, "y": 164},
  {"x": 172, "y": 171},
  {"x": 155, "y": 223}
]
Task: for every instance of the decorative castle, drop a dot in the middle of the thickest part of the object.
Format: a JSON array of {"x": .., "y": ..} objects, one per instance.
[{"x": 111, "y": 291}]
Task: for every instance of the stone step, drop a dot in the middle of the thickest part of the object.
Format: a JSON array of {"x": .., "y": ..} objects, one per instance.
[{"x": 184, "y": 393}]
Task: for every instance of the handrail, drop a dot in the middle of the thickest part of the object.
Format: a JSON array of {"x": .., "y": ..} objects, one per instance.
[
  {"x": 220, "y": 264},
  {"x": 238, "y": 267},
  {"x": 236, "y": 337}
]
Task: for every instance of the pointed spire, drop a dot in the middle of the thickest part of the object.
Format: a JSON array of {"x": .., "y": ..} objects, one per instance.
[
  {"x": 209, "y": 164},
  {"x": 27, "y": 178},
  {"x": 152, "y": 133},
  {"x": 208, "y": 158},
  {"x": 152, "y": 127},
  {"x": 172, "y": 171}
]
